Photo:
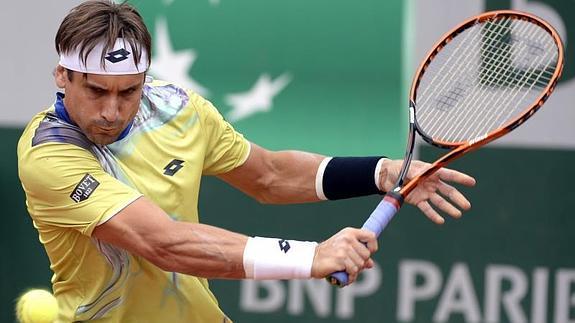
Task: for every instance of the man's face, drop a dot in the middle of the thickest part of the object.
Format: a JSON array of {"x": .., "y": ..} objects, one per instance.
[{"x": 101, "y": 105}]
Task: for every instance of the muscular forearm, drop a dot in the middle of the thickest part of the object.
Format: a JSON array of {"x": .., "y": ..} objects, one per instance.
[
  {"x": 293, "y": 179},
  {"x": 143, "y": 229},
  {"x": 277, "y": 177},
  {"x": 200, "y": 250}
]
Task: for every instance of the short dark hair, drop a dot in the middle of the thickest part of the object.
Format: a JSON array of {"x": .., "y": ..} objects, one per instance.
[{"x": 103, "y": 21}]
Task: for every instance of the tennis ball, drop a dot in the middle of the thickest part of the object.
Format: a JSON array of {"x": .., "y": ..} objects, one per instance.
[{"x": 36, "y": 306}]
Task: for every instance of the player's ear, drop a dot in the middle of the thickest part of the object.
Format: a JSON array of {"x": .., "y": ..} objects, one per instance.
[{"x": 60, "y": 76}]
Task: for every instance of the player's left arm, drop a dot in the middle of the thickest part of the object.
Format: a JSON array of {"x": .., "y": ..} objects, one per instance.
[
  {"x": 296, "y": 177},
  {"x": 290, "y": 177},
  {"x": 276, "y": 177}
]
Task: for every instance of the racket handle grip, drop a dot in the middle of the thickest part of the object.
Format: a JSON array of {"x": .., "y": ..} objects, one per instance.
[
  {"x": 382, "y": 215},
  {"x": 376, "y": 223}
]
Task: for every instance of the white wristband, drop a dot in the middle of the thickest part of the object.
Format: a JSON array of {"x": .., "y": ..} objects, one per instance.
[
  {"x": 319, "y": 178},
  {"x": 271, "y": 258},
  {"x": 376, "y": 174}
]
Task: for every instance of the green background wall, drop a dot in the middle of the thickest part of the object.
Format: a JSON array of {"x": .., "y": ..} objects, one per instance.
[{"x": 344, "y": 62}]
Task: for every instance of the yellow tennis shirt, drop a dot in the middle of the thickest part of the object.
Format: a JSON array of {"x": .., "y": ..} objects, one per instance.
[{"x": 72, "y": 185}]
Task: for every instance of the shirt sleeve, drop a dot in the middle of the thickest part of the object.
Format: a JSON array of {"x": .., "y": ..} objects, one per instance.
[
  {"x": 66, "y": 187},
  {"x": 226, "y": 148}
]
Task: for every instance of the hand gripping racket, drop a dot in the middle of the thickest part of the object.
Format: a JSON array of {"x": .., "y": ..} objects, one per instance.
[{"x": 480, "y": 81}]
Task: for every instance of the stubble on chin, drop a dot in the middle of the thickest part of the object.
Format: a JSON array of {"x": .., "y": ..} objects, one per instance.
[{"x": 101, "y": 140}]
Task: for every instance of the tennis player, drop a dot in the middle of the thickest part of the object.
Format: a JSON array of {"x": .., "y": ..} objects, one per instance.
[{"x": 112, "y": 172}]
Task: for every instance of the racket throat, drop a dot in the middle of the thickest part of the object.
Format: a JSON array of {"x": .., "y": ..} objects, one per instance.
[
  {"x": 394, "y": 197},
  {"x": 408, "y": 149}
]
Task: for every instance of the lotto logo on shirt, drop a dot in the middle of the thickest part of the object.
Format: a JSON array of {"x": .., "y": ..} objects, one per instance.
[{"x": 84, "y": 189}]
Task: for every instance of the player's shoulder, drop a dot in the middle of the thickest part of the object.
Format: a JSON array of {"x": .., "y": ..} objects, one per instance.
[
  {"x": 25, "y": 141},
  {"x": 47, "y": 139},
  {"x": 46, "y": 127},
  {"x": 171, "y": 97},
  {"x": 167, "y": 91},
  {"x": 49, "y": 151}
]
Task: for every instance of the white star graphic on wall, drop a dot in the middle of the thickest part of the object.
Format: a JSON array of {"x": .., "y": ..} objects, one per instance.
[
  {"x": 258, "y": 98},
  {"x": 171, "y": 65}
]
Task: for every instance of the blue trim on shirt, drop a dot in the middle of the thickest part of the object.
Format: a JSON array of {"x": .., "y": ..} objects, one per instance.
[{"x": 61, "y": 109}]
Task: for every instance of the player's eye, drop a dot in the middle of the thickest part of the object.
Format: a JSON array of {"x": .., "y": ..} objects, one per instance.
[
  {"x": 128, "y": 92},
  {"x": 97, "y": 91}
]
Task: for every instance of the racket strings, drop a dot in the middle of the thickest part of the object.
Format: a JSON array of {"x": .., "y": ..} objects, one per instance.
[
  {"x": 474, "y": 92},
  {"x": 455, "y": 67},
  {"x": 483, "y": 122},
  {"x": 463, "y": 68},
  {"x": 492, "y": 77},
  {"x": 477, "y": 123},
  {"x": 525, "y": 84},
  {"x": 506, "y": 62},
  {"x": 447, "y": 64}
]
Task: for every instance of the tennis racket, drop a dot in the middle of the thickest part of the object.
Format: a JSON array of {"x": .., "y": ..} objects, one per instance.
[{"x": 480, "y": 81}]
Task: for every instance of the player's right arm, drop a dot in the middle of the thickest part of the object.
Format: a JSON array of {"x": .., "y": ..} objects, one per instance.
[{"x": 144, "y": 229}]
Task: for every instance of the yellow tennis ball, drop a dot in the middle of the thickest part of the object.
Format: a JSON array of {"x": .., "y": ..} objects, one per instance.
[{"x": 37, "y": 306}]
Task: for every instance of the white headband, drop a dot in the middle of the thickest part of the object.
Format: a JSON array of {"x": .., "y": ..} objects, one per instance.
[{"x": 118, "y": 61}]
